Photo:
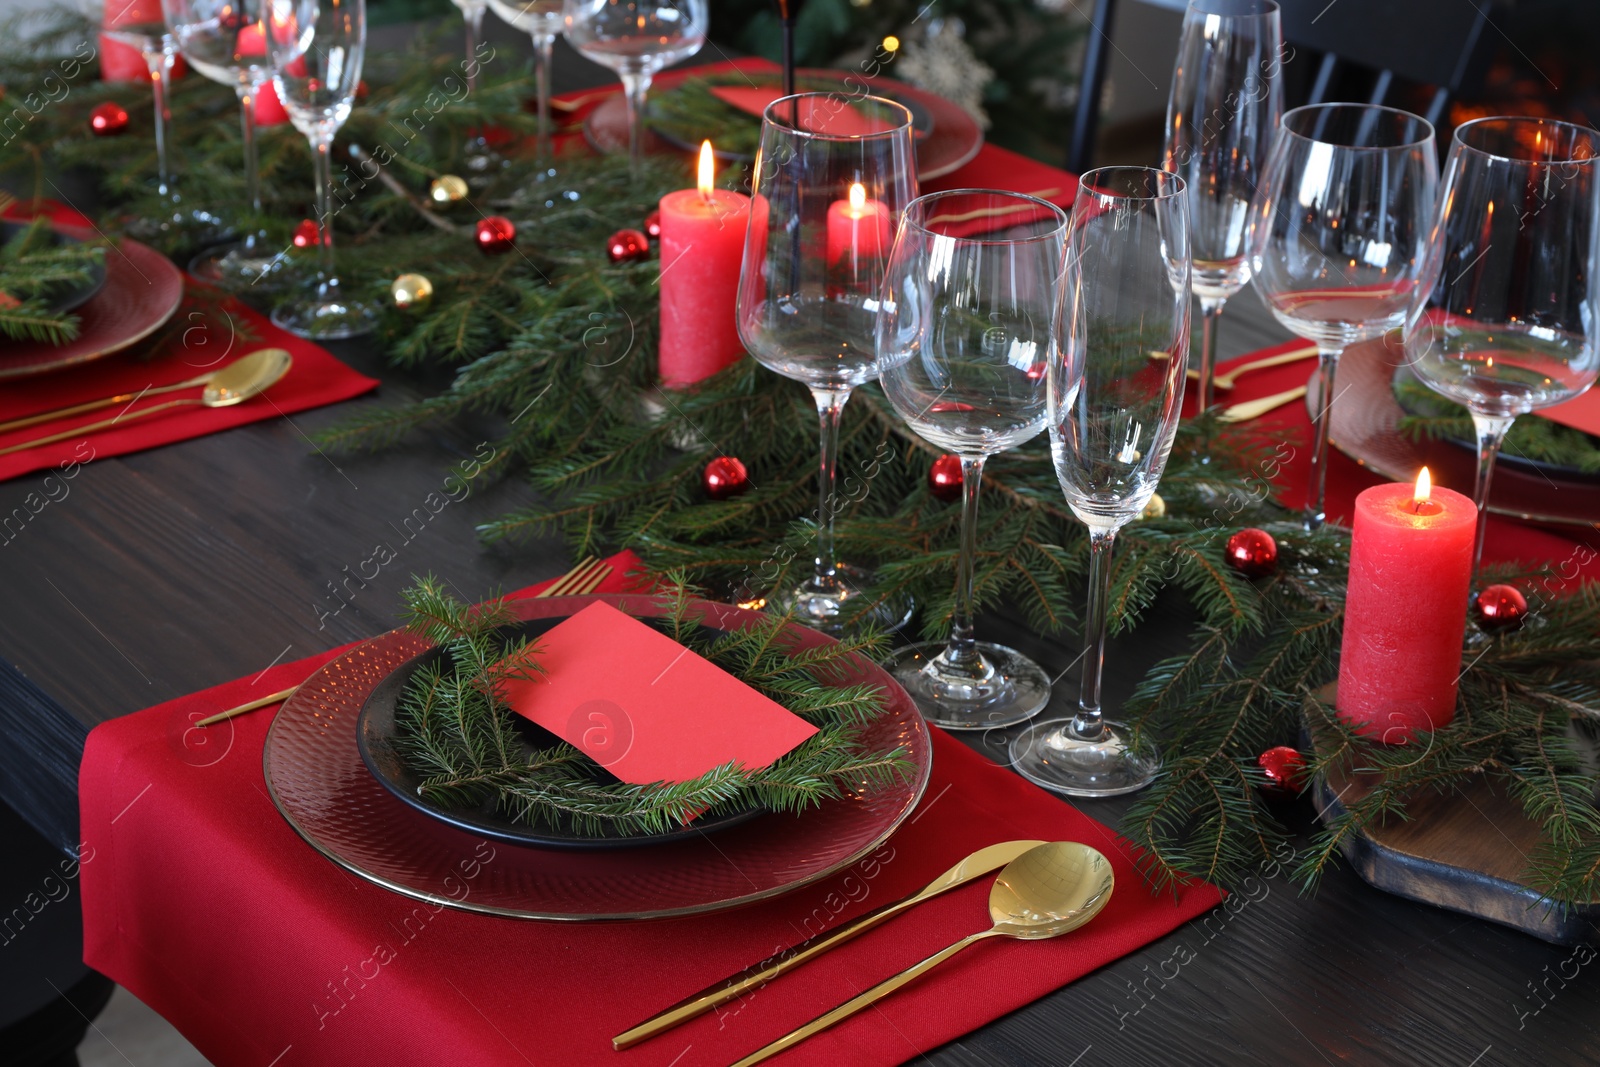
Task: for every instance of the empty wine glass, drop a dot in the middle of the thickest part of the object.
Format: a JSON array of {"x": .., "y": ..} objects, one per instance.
[
  {"x": 964, "y": 339},
  {"x": 821, "y": 225},
  {"x": 541, "y": 20},
  {"x": 635, "y": 38},
  {"x": 1507, "y": 318},
  {"x": 1338, "y": 230},
  {"x": 224, "y": 41},
  {"x": 317, "y": 89},
  {"x": 1226, "y": 99},
  {"x": 479, "y": 156},
  {"x": 1112, "y": 417}
]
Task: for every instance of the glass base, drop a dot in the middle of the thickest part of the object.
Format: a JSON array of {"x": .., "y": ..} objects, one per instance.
[
  {"x": 321, "y": 320},
  {"x": 1048, "y": 754},
  {"x": 235, "y": 266},
  {"x": 195, "y": 225},
  {"x": 1010, "y": 688},
  {"x": 820, "y": 604}
]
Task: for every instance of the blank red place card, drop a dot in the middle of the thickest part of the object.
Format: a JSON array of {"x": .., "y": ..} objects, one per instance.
[{"x": 646, "y": 708}]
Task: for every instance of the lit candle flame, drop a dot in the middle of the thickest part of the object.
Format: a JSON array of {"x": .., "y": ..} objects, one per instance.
[
  {"x": 708, "y": 171},
  {"x": 1424, "y": 488},
  {"x": 858, "y": 198}
]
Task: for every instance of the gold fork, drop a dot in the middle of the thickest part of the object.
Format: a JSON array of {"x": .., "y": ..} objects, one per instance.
[
  {"x": 580, "y": 580},
  {"x": 1254, "y": 409}
]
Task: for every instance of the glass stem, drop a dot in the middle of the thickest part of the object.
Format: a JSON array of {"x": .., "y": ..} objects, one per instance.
[
  {"x": 322, "y": 163},
  {"x": 1210, "y": 312},
  {"x": 473, "y": 18},
  {"x": 961, "y": 652},
  {"x": 159, "y": 63},
  {"x": 635, "y": 86},
  {"x": 830, "y": 405},
  {"x": 543, "y": 48},
  {"x": 247, "y": 128},
  {"x": 1088, "y": 724},
  {"x": 1491, "y": 435},
  {"x": 1317, "y": 489}
]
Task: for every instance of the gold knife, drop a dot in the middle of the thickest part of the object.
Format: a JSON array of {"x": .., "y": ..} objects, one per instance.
[{"x": 982, "y": 862}]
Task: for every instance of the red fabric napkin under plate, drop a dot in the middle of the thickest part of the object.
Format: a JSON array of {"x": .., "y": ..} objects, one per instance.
[{"x": 201, "y": 900}]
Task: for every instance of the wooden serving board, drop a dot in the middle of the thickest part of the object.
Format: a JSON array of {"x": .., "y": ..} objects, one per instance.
[{"x": 1465, "y": 851}]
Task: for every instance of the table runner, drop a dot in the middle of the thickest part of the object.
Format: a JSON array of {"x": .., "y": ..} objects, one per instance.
[
  {"x": 207, "y": 331},
  {"x": 201, "y": 899}
]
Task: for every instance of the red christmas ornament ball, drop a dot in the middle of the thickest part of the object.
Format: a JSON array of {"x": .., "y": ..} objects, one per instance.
[
  {"x": 108, "y": 119},
  {"x": 945, "y": 478},
  {"x": 652, "y": 225},
  {"x": 1285, "y": 770},
  {"x": 725, "y": 477},
  {"x": 306, "y": 235},
  {"x": 1253, "y": 553},
  {"x": 1499, "y": 609},
  {"x": 495, "y": 235},
  {"x": 627, "y": 246}
]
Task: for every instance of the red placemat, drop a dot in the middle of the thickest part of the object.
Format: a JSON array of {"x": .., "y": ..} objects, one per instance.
[
  {"x": 200, "y": 899},
  {"x": 1505, "y": 539}
]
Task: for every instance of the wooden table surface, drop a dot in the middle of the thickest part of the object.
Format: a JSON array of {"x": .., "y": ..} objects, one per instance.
[{"x": 179, "y": 568}]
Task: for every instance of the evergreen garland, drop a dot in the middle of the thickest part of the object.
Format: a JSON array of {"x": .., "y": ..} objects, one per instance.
[
  {"x": 1431, "y": 417},
  {"x": 455, "y": 729},
  {"x": 555, "y": 345},
  {"x": 35, "y": 269}
]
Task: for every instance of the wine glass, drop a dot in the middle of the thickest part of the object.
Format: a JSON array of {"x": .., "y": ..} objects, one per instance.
[
  {"x": 224, "y": 40},
  {"x": 1113, "y": 413},
  {"x": 1226, "y": 99},
  {"x": 479, "y": 156},
  {"x": 541, "y": 19},
  {"x": 635, "y": 38},
  {"x": 1338, "y": 229},
  {"x": 818, "y": 240},
  {"x": 964, "y": 339},
  {"x": 1507, "y": 315},
  {"x": 317, "y": 90}
]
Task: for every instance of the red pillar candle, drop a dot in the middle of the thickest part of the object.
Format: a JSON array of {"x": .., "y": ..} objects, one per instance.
[
  {"x": 1406, "y": 609},
  {"x": 121, "y": 62},
  {"x": 702, "y": 245},
  {"x": 857, "y": 227}
]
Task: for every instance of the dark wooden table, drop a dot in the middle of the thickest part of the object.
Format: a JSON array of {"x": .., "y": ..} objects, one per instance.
[{"x": 179, "y": 568}]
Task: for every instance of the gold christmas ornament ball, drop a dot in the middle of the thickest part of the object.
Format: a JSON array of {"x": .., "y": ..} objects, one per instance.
[
  {"x": 411, "y": 290},
  {"x": 1156, "y": 509},
  {"x": 447, "y": 189}
]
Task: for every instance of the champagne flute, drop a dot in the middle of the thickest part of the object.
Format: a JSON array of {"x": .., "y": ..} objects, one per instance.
[
  {"x": 821, "y": 225},
  {"x": 1113, "y": 413},
  {"x": 1338, "y": 230},
  {"x": 541, "y": 19},
  {"x": 965, "y": 335},
  {"x": 1507, "y": 318},
  {"x": 225, "y": 41},
  {"x": 1226, "y": 99},
  {"x": 635, "y": 38},
  {"x": 317, "y": 90}
]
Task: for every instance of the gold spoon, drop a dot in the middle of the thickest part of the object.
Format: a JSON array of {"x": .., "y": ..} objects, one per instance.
[
  {"x": 983, "y": 861},
  {"x": 233, "y": 384},
  {"x": 244, "y": 365},
  {"x": 1047, "y": 891}
]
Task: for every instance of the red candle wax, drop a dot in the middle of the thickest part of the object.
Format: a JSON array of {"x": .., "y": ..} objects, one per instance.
[
  {"x": 702, "y": 245},
  {"x": 1405, "y": 611},
  {"x": 858, "y": 228}
]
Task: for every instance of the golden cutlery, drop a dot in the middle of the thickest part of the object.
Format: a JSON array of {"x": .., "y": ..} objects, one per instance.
[
  {"x": 245, "y": 368},
  {"x": 983, "y": 861},
  {"x": 584, "y": 578},
  {"x": 1047, "y": 891},
  {"x": 1230, "y": 379},
  {"x": 233, "y": 384},
  {"x": 1254, "y": 409}
]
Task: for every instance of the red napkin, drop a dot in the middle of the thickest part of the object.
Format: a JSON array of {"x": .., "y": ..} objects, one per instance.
[
  {"x": 1581, "y": 414},
  {"x": 200, "y": 899}
]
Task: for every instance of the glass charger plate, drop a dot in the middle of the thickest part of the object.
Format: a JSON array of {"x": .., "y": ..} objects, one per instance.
[
  {"x": 315, "y": 776},
  {"x": 1363, "y": 426},
  {"x": 376, "y": 737}
]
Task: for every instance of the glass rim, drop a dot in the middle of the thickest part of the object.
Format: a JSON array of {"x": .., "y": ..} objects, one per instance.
[
  {"x": 793, "y": 128},
  {"x": 1333, "y": 105},
  {"x": 1457, "y": 141},
  {"x": 1063, "y": 218},
  {"x": 1263, "y": 8},
  {"x": 1160, "y": 172}
]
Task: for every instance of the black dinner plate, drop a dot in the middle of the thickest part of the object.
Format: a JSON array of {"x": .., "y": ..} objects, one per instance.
[
  {"x": 376, "y": 737},
  {"x": 68, "y": 299}
]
